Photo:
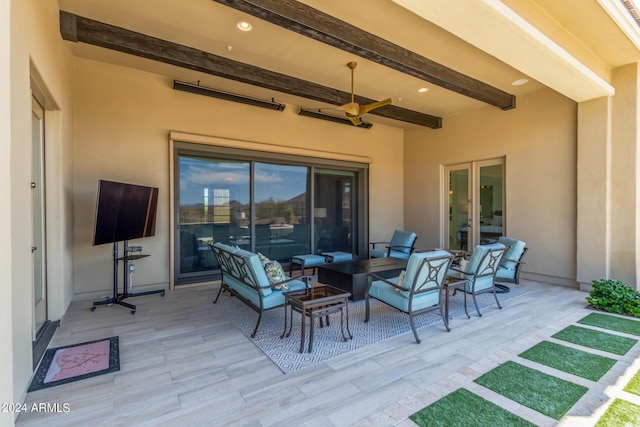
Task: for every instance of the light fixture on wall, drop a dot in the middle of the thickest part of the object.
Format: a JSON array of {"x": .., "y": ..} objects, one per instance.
[
  {"x": 228, "y": 96},
  {"x": 331, "y": 118}
]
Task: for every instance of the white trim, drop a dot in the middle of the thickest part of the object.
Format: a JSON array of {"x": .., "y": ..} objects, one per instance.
[
  {"x": 623, "y": 19},
  {"x": 493, "y": 27}
]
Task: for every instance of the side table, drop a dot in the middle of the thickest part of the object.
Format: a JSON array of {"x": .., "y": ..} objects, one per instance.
[{"x": 316, "y": 302}]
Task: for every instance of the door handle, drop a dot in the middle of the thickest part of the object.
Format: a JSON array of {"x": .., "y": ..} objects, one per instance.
[{"x": 33, "y": 249}]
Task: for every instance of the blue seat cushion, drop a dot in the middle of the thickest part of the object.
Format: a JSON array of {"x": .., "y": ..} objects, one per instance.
[
  {"x": 383, "y": 292},
  {"x": 338, "y": 256},
  {"x": 308, "y": 260},
  {"x": 379, "y": 252}
]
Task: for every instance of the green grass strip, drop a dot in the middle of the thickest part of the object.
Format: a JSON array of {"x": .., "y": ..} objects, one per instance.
[
  {"x": 570, "y": 360},
  {"x": 604, "y": 321},
  {"x": 620, "y": 414},
  {"x": 463, "y": 408},
  {"x": 595, "y": 339},
  {"x": 634, "y": 385},
  {"x": 541, "y": 392}
]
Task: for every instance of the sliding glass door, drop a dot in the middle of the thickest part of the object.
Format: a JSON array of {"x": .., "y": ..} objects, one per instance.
[
  {"x": 282, "y": 207},
  {"x": 475, "y": 204},
  {"x": 334, "y": 212},
  {"x": 213, "y": 206}
]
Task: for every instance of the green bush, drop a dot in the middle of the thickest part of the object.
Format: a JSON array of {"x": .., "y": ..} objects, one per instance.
[{"x": 615, "y": 296}]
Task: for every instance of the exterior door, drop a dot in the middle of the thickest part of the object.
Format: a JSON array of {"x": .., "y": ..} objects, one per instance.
[
  {"x": 37, "y": 213},
  {"x": 334, "y": 213},
  {"x": 475, "y": 205},
  {"x": 459, "y": 209}
]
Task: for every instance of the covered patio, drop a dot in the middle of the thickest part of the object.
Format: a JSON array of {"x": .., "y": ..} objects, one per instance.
[
  {"x": 183, "y": 362},
  {"x": 544, "y": 94}
]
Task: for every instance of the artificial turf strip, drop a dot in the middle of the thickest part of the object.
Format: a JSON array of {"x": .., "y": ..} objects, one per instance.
[
  {"x": 570, "y": 360},
  {"x": 627, "y": 326},
  {"x": 595, "y": 339},
  {"x": 463, "y": 408},
  {"x": 620, "y": 414},
  {"x": 633, "y": 386},
  {"x": 541, "y": 392}
]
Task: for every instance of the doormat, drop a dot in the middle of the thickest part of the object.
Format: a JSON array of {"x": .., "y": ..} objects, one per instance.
[{"x": 75, "y": 362}]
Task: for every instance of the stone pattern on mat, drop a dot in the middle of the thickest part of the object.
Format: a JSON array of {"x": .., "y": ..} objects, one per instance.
[{"x": 385, "y": 323}]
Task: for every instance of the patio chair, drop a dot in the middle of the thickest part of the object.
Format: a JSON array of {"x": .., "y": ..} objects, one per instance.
[
  {"x": 420, "y": 290},
  {"x": 480, "y": 272},
  {"x": 509, "y": 270},
  {"x": 401, "y": 246}
]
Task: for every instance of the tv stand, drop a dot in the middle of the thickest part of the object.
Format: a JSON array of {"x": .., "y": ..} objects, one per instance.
[{"x": 118, "y": 298}]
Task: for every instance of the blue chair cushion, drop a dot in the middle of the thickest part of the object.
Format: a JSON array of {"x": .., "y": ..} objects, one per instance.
[
  {"x": 379, "y": 252},
  {"x": 400, "y": 300},
  {"x": 472, "y": 267},
  {"x": 338, "y": 256},
  {"x": 513, "y": 253},
  {"x": 308, "y": 260},
  {"x": 402, "y": 238}
]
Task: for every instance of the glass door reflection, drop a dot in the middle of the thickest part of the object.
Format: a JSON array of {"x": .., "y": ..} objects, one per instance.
[
  {"x": 213, "y": 207},
  {"x": 281, "y": 211},
  {"x": 334, "y": 213}
]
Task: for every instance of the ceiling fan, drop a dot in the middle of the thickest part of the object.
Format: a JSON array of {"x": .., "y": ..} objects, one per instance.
[{"x": 354, "y": 110}]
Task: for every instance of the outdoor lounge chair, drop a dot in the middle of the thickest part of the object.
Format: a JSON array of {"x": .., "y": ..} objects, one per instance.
[
  {"x": 511, "y": 263},
  {"x": 401, "y": 246},
  {"x": 420, "y": 289},
  {"x": 480, "y": 272}
]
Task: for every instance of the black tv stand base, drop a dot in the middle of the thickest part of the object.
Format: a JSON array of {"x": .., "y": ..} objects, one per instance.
[{"x": 118, "y": 298}]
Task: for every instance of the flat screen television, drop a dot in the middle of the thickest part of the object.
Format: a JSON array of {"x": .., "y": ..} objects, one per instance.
[{"x": 124, "y": 212}]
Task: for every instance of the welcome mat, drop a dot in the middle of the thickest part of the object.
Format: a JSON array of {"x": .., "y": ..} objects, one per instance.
[
  {"x": 75, "y": 362},
  {"x": 385, "y": 323}
]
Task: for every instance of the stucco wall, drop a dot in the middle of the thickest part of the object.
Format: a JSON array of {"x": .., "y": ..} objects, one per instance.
[
  {"x": 123, "y": 118},
  {"x": 38, "y": 56},
  {"x": 538, "y": 141}
]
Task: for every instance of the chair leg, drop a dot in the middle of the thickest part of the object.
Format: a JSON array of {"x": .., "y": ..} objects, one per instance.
[
  {"x": 475, "y": 302},
  {"x": 255, "y": 330},
  {"x": 413, "y": 328},
  {"x": 366, "y": 309},
  {"x": 495, "y": 295},
  {"x": 444, "y": 319},
  {"x": 218, "y": 296}
]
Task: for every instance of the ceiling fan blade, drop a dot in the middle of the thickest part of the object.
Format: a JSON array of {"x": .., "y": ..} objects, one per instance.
[
  {"x": 355, "y": 120},
  {"x": 351, "y": 108},
  {"x": 368, "y": 107}
]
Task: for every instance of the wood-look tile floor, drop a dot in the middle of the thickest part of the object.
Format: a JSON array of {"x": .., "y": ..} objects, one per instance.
[{"x": 184, "y": 363}]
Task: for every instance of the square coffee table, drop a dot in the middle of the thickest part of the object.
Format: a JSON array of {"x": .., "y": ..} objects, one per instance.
[
  {"x": 316, "y": 302},
  {"x": 351, "y": 276}
]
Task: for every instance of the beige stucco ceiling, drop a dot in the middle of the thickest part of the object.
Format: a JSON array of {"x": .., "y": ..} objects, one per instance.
[{"x": 579, "y": 27}]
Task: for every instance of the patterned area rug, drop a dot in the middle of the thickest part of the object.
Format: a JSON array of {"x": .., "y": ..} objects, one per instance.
[
  {"x": 63, "y": 365},
  {"x": 385, "y": 323}
]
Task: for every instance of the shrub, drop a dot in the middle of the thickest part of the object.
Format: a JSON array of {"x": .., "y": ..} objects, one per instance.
[{"x": 615, "y": 296}]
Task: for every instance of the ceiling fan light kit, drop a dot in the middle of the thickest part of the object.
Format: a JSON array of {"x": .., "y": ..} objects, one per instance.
[{"x": 228, "y": 96}]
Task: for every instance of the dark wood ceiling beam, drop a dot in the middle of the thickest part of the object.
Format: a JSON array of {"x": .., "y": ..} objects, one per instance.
[
  {"x": 310, "y": 22},
  {"x": 83, "y": 30}
]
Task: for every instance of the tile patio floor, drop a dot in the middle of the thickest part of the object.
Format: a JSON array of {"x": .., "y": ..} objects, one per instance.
[{"x": 184, "y": 363}]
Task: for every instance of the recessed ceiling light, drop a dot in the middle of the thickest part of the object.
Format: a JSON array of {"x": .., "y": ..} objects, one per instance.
[
  {"x": 423, "y": 89},
  {"x": 244, "y": 26},
  {"x": 520, "y": 82}
]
